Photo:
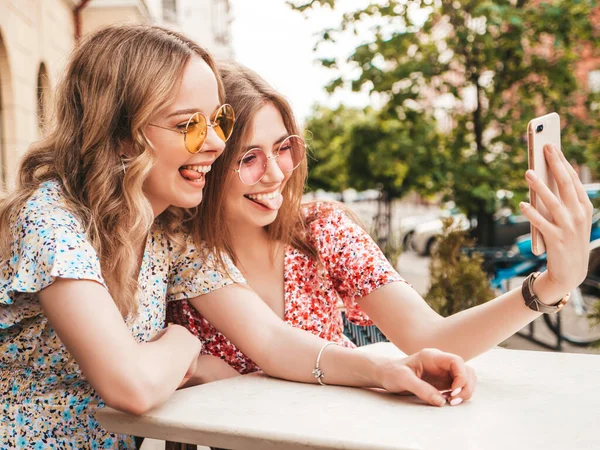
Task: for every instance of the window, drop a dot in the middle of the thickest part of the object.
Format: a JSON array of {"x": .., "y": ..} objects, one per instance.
[
  {"x": 594, "y": 81},
  {"x": 221, "y": 21},
  {"x": 4, "y": 100},
  {"x": 43, "y": 92},
  {"x": 170, "y": 10},
  {"x": 2, "y": 157}
]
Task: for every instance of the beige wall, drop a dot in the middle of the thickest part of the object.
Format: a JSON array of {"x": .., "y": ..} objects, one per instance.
[
  {"x": 41, "y": 33},
  {"x": 32, "y": 32},
  {"x": 36, "y": 34},
  {"x": 94, "y": 17}
]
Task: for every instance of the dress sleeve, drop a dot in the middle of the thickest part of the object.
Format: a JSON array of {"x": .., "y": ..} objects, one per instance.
[
  {"x": 48, "y": 242},
  {"x": 196, "y": 273},
  {"x": 354, "y": 262}
]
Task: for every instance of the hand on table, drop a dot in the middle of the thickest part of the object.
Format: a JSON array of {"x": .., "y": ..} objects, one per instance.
[
  {"x": 186, "y": 336},
  {"x": 207, "y": 368},
  {"x": 432, "y": 375}
]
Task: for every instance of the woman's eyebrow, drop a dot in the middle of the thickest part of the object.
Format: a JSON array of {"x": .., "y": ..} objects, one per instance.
[
  {"x": 180, "y": 112},
  {"x": 278, "y": 141}
]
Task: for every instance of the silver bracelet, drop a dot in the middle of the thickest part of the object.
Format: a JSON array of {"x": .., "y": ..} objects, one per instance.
[{"x": 317, "y": 372}]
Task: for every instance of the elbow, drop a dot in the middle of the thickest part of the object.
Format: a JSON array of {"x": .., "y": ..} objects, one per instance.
[
  {"x": 270, "y": 369},
  {"x": 267, "y": 364},
  {"x": 129, "y": 396}
]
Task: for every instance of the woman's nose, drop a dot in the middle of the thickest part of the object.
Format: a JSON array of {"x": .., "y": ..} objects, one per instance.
[
  {"x": 273, "y": 172},
  {"x": 213, "y": 142}
]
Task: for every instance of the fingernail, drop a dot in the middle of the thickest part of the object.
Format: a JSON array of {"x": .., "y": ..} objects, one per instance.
[
  {"x": 455, "y": 392},
  {"x": 456, "y": 401},
  {"x": 531, "y": 175},
  {"x": 524, "y": 205},
  {"x": 549, "y": 148}
]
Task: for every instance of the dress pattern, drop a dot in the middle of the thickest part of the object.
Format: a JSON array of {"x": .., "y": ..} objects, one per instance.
[
  {"x": 352, "y": 267},
  {"x": 46, "y": 401}
]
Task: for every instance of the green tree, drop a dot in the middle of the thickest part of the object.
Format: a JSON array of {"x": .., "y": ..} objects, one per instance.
[
  {"x": 327, "y": 138},
  {"x": 495, "y": 64},
  {"x": 395, "y": 155},
  {"x": 369, "y": 149}
]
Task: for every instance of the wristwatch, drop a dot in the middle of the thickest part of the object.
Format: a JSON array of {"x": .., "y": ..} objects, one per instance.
[{"x": 532, "y": 301}]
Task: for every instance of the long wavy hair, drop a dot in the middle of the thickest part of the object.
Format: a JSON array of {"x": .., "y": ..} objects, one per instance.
[
  {"x": 114, "y": 82},
  {"x": 247, "y": 92}
]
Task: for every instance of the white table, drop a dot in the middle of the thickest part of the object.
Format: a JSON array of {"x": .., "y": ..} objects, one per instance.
[{"x": 524, "y": 400}]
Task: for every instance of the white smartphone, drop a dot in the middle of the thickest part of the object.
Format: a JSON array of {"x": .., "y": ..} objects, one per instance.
[{"x": 540, "y": 132}]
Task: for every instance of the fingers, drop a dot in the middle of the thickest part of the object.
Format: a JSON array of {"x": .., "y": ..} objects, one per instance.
[
  {"x": 462, "y": 392},
  {"x": 454, "y": 365},
  {"x": 582, "y": 195},
  {"x": 547, "y": 229},
  {"x": 543, "y": 192},
  {"x": 561, "y": 175},
  {"x": 423, "y": 390},
  {"x": 579, "y": 189},
  {"x": 434, "y": 376},
  {"x": 443, "y": 364}
]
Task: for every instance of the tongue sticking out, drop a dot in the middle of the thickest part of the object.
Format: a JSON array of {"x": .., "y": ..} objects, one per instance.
[
  {"x": 271, "y": 203},
  {"x": 190, "y": 174}
]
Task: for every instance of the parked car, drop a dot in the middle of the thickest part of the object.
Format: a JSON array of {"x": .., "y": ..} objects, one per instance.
[
  {"x": 407, "y": 227},
  {"x": 507, "y": 227},
  {"x": 423, "y": 237}
]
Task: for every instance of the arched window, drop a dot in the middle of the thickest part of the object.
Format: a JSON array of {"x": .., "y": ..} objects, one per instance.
[
  {"x": 43, "y": 94},
  {"x": 4, "y": 101},
  {"x": 2, "y": 144}
]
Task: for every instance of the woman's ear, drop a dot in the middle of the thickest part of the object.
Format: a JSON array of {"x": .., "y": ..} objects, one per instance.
[{"x": 126, "y": 148}]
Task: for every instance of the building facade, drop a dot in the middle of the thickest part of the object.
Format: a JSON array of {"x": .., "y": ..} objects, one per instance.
[{"x": 37, "y": 36}]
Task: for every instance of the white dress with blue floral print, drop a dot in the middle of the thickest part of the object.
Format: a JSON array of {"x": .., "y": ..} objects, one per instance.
[{"x": 46, "y": 401}]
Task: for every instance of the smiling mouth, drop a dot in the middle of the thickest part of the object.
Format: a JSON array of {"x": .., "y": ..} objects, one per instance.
[
  {"x": 194, "y": 173},
  {"x": 272, "y": 200}
]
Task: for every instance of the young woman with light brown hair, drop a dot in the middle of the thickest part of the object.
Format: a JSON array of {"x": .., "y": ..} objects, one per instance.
[
  {"x": 265, "y": 231},
  {"x": 300, "y": 259}
]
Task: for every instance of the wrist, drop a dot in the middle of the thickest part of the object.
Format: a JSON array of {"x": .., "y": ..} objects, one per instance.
[
  {"x": 379, "y": 370},
  {"x": 183, "y": 334},
  {"x": 547, "y": 291}
]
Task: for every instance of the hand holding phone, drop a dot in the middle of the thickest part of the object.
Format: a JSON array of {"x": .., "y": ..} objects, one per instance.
[{"x": 561, "y": 216}]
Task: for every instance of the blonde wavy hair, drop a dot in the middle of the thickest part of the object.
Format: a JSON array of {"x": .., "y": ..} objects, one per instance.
[{"x": 114, "y": 82}]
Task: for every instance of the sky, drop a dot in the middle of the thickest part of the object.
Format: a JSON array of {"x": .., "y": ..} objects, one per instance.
[{"x": 278, "y": 42}]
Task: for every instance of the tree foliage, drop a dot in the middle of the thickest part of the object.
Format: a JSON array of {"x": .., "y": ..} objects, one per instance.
[
  {"x": 368, "y": 149},
  {"x": 458, "y": 281},
  {"x": 328, "y": 144},
  {"x": 487, "y": 67}
]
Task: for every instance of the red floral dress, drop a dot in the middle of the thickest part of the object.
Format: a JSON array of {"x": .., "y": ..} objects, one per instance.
[{"x": 352, "y": 267}]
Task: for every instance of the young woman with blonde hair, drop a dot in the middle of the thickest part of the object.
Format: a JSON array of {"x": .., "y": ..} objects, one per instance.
[
  {"x": 302, "y": 258},
  {"x": 92, "y": 237},
  {"x": 87, "y": 237}
]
